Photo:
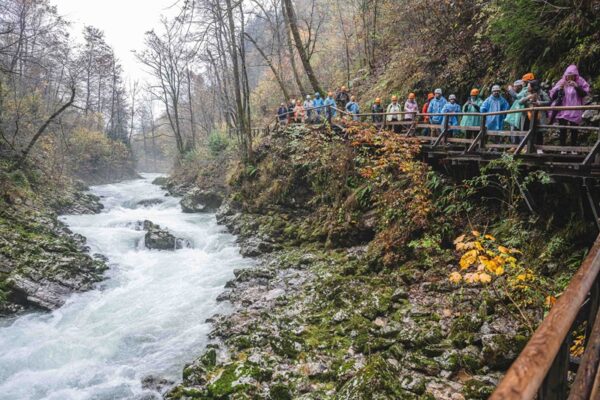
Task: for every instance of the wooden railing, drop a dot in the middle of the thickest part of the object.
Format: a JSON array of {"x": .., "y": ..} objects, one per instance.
[
  {"x": 479, "y": 140},
  {"x": 542, "y": 367}
]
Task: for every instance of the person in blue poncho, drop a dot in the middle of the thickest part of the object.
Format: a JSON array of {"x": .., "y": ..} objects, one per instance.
[
  {"x": 330, "y": 110},
  {"x": 353, "y": 108},
  {"x": 435, "y": 106},
  {"x": 451, "y": 107},
  {"x": 495, "y": 103},
  {"x": 318, "y": 106}
]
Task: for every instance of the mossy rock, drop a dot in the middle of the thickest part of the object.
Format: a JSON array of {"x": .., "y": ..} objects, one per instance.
[
  {"x": 499, "y": 350},
  {"x": 475, "y": 389},
  {"x": 280, "y": 391},
  {"x": 378, "y": 377},
  {"x": 209, "y": 358}
]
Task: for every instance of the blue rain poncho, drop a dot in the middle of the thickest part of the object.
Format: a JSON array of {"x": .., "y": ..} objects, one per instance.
[
  {"x": 451, "y": 108},
  {"x": 436, "y": 106},
  {"x": 318, "y": 102},
  {"x": 353, "y": 108},
  {"x": 494, "y": 104},
  {"x": 472, "y": 107},
  {"x": 329, "y": 101}
]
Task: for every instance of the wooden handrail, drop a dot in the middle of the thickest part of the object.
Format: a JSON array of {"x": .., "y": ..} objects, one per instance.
[{"x": 525, "y": 376}]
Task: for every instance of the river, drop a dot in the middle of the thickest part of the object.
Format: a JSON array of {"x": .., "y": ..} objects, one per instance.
[{"x": 147, "y": 317}]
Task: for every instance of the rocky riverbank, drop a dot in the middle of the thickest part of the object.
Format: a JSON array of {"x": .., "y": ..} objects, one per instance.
[
  {"x": 351, "y": 298},
  {"x": 41, "y": 261}
]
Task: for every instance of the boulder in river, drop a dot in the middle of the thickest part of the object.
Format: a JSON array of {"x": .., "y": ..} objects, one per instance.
[
  {"x": 149, "y": 202},
  {"x": 197, "y": 200},
  {"x": 161, "y": 239}
]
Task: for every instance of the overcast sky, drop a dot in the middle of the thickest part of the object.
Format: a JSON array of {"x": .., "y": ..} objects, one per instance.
[{"x": 123, "y": 21}]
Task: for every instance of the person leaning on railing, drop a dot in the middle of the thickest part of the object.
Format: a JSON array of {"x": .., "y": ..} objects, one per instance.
[
  {"x": 570, "y": 91},
  {"x": 308, "y": 105}
]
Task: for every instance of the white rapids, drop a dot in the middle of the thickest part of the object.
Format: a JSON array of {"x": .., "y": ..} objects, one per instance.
[{"x": 147, "y": 317}]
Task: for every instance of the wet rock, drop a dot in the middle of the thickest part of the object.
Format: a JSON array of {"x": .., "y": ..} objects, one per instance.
[
  {"x": 500, "y": 350},
  {"x": 157, "y": 238},
  {"x": 149, "y": 202},
  {"x": 254, "y": 247},
  {"x": 198, "y": 200},
  {"x": 156, "y": 384},
  {"x": 161, "y": 181},
  {"x": 81, "y": 203},
  {"x": 161, "y": 239}
]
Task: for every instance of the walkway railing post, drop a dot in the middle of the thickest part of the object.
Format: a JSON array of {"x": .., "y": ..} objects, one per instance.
[
  {"x": 482, "y": 131},
  {"x": 533, "y": 137}
]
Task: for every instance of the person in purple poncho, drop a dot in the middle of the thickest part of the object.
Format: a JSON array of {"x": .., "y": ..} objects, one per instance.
[{"x": 570, "y": 91}]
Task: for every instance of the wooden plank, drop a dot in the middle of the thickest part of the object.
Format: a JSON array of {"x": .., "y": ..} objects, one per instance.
[
  {"x": 574, "y": 127},
  {"x": 579, "y": 149},
  {"x": 460, "y": 140},
  {"x": 507, "y": 133},
  {"x": 526, "y": 374},
  {"x": 426, "y": 138},
  {"x": 501, "y": 146}
]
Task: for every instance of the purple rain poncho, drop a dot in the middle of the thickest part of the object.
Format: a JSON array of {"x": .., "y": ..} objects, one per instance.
[{"x": 573, "y": 97}]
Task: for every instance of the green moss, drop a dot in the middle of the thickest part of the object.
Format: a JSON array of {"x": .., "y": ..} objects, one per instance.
[
  {"x": 477, "y": 390},
  {"x": 280, "y": 391}
]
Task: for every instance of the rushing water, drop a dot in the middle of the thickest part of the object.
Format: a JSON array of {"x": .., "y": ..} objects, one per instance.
[{"x": 147, "y": 317}]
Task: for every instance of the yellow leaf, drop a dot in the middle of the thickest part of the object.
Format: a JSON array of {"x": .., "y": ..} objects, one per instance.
[
  {"x": 485, "y": 278},
  {"x": 460, "y": 246},
  {"x": 459, "y": 239},
  {"x": 503, "y": 250},
  {"x": 468, "y": 259},
  {"x": 478, "y": 246},
  {"x": 550, "y": 301},
  {"x": 499, "y": 271},
  {"x": 521, "y": 277},
  {"x": 471, "y": 278},
  {"x": 476, "y": 233},
  {"x": 515, "y": 251},
  {"x": 480, "y": 267},
  {"x": 455, "y": 277},
  {"x": 490, "y": 237}
]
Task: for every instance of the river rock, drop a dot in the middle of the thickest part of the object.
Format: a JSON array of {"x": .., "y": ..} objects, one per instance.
[
  {"x": 253, "y": 247},
  {"x": 198, "y": 200},
  {"x": 157, "y": 384},
  {"x": 157, "y": 238},
  {"x": 149, "y": 202}
]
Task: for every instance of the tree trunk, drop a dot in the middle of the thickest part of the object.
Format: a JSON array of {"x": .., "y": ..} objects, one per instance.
[
  {"x": 42, "y": 128},
  {"x": 271, "y": 66},
  {"x": 293, "y": 24}
]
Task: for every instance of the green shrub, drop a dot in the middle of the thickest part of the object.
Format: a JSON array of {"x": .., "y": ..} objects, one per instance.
[{"x": 217, "y": 143}]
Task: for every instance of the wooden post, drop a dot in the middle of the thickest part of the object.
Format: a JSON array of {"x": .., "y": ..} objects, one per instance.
[
  {"x": 533, "y": 131},
  {"x": 556, "y": 384},
  {"x": 482, "y": 132}
]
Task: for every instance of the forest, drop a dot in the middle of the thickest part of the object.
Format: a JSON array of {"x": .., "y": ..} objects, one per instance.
[{"x": 168, "y": 233}]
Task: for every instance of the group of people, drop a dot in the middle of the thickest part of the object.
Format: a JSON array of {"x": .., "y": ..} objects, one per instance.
[{"x": 524, "y": 93}]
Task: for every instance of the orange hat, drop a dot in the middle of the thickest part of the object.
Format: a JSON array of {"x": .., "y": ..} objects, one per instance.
[
  {"x": 394, "y": 98},
  {"x": 377, "y": 100},
  {"x": 528, "y": 77},
  {"x": 474, "y": 92},
  {"x": 430, "y": 96},
  {"x": 411, "y": 96}
]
